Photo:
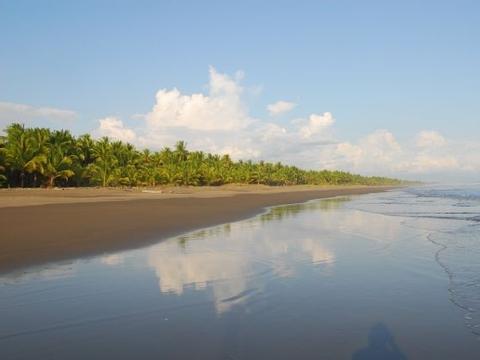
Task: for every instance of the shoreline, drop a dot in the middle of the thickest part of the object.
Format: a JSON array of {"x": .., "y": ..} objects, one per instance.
[{"x": 43, "y": 226}]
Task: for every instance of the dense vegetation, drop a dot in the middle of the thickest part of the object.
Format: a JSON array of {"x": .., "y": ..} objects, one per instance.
[{"x": 33, "y": 157}]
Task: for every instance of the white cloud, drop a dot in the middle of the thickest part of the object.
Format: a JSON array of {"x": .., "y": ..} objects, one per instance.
[
  {"x": 430, "y": 139},
  {"x": 280, "y": 107},
  {"x": 317, "y": 124},
  {"x": 379, "y": 147},
  {"x": 221, "y": 109},
  {"x": 115, "y": 129},
  {"x": 219, "y": 121},
  {"x": 431, "y": 157},
  {"x": 33, "y": 116},
  {"x": 424, "y": 163},
  {"x": 273, "y": 131}
]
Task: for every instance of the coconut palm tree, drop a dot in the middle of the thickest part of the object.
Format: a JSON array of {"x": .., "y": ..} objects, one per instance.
[
  {"x": 3, "y": 178},
  {"x": 21, "y": 153},
  {"x": 28, "y": 155},
  {"x": 103, "y": 169},
  {"x": 180, "y": 152},
  {"x": 82, "y": 158},
  {"x": 56, "y": 165}
]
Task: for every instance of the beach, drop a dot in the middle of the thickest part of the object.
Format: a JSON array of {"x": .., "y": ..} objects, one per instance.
[
  {"x": 41, "y": 226},
  {"x": 390, "y": 275}
]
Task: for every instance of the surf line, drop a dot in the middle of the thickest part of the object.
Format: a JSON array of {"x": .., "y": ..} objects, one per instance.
[{"x": 451, "y": 290}]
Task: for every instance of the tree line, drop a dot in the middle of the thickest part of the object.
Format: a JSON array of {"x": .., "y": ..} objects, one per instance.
[{"x": 35, "y": 157}]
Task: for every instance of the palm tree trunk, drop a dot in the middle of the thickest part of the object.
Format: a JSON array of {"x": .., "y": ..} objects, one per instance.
[{"x": 104, "y": 176}]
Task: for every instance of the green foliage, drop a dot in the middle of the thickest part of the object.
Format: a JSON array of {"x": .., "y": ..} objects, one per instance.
[
  {"x": 2, "y": 156},
  {"x": 3, "y": 178},
  {"x": 36, "y": 156}
]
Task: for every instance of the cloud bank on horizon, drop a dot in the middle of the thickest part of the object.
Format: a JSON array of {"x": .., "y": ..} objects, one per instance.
[
  {"x": 12, "y": 112},
  {"x": 219, "y": 121}
]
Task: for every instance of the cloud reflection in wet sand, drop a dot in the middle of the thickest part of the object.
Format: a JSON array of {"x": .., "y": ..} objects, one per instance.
[
  {"x": 112, "y": 260},
  {"x": 233, "y": 260}
]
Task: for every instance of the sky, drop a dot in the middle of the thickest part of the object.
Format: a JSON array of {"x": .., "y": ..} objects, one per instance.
[{"x": 374, "y": 87}]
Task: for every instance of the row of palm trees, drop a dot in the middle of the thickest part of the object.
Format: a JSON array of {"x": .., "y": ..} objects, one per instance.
[{"x": 33, "y": 157}]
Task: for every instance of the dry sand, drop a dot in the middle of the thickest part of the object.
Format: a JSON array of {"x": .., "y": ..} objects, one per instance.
[{"x": 38, "y": 225}]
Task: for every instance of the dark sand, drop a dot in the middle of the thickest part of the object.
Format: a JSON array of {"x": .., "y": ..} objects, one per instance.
[{"x": 40, "y": 226}]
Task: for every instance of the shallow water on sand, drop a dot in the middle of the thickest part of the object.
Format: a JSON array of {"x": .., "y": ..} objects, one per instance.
[{"x": 383, "y": 276}]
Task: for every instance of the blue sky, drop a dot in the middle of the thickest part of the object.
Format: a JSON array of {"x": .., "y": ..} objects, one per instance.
[{"x": 401, "y": 66}]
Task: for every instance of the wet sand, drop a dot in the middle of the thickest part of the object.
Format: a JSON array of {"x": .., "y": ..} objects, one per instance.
[{"x": 40, "y": 226}]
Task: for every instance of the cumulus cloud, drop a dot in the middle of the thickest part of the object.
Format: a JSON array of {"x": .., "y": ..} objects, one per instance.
[
  {"x": 33, "y": 116},
  {"x": 316, "y": 125},
  {"x": 115, "y": 129},
  {"x": 431, "y": 157},
  {"x": 219, "y": 121},
  {"x": 423, "y": 163},
  {"x": 280, "y": 107},
  {"x": 379, "y": 147},
  {"x": 430, "y": 139},
  {"x": 221, "y": 109}
]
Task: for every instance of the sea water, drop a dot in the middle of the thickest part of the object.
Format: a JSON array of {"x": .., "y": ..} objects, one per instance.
[{"x": 394, "y": 275}]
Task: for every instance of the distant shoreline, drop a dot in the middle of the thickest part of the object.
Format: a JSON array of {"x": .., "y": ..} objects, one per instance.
[{"x": 41, "y": 226}]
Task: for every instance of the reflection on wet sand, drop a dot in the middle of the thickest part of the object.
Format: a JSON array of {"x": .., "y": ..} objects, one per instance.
[
  {"x": 230, "y": 258},
  {"x": 112, "y": 260},
  {"x": 229, "y": 270},
  {"x": 46, "y": 273},
  {"x": 288, "y": 211}
]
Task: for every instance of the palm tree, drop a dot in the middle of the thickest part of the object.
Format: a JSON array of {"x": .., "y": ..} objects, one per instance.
[
  {"x": 180, "y": 151},
  {"x": 41, "y": 139},
  {"x": 3, "y": 178},
  {"x": 83, "y": 157},
  {"x": 56, "y": 165},
  {"x": 103, "y": 168},
  {"x": 28, "y": 155},
  {"x": 21, "y": 154}
]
